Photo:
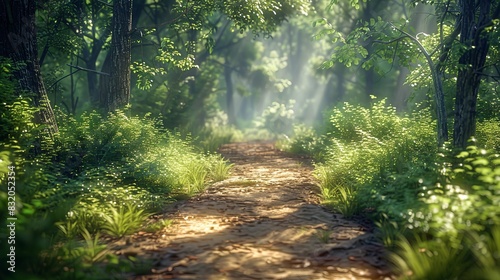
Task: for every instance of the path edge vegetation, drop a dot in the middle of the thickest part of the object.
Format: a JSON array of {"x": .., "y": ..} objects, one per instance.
[
  {"x": 435, "y": 207},
  {"x": 435, "y": 200},
  {"x": 98, "y": 178}
]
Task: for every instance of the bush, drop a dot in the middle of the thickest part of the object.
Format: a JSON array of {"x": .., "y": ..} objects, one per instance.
[
  {"x": 122, "y": 159},
  {"x": 460, "y": 217},
  {"x": 466, "y": 198},
  {"x": 277, "y": 118},
  {"x": 351, "y": 122},
  {"x": 388, "y": 166},
  {"x": 304, "y": 141},
  {"x": 377, "y": 157}
]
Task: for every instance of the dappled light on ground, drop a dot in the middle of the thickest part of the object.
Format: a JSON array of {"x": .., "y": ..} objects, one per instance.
[{"x": 264, "y": 222}]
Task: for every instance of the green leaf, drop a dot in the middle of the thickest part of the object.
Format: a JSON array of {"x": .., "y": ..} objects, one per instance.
[
  {"x": 463, "y": 154},
  {"x": 480, "y": 161},
  {"x": 484, "y": 170}
]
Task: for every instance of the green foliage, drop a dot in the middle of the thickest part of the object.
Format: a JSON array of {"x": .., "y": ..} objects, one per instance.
[
  {"x": 353, "y": 123},
  {"x": 262, "y": 16},
  {"x": 69, "y": 229},
  {"x": 487, "y": 132},
  {"x": 485, "y": 248},
  {"x": 91, "y": 251},
  {"x": 98, "y": 175},
  {"x": 465, "y": 200},
  {"x": 216, "y": 131},
  {"x": 304, "y": 141},
  {"x": 488, "y": 103},
  {"x": 194, "y": 177},
  {"x": 324, "y": 235},
  {"x": 424, "y": 258},
  {"x": 389, "y": 231},
  {"x": 344, "y": 200},
  {"x": 380, "y": 163},
  {"x": 210, "y": 139},
  {"x": 375, "y": 158},
  {"x": 220, "y": 170},
  {"x": 123, "y": 159},
  {"x": 277, "y": 118},
  {"x": 430, "y": 259},
  {"x": 122, "y": 221}
]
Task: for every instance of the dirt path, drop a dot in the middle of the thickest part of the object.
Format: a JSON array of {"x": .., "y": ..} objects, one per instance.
[{"x": 264, "y": 222}]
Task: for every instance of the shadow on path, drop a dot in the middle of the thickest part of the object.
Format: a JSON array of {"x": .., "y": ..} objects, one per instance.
[{"x": 264, "y": 222}]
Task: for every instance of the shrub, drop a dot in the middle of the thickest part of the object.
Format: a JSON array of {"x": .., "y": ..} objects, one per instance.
[
  {"x": 467, "y": 198},
  {"x": 304, "y": 141},
  {"x": 460, "y": 215},
  {"x": 277, "y": 118},
  {"x": 430, "y": 259},
  {"x": 389, "y": 164},
  {"x": 350, "y": 122},
  {"x": 377, "y": 157},
  {"x": 122, "y": 220}
]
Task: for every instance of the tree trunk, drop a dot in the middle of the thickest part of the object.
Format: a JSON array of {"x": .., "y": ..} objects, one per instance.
[
  {"x": 471, "y": 63},
  {"x": 18, "y": 42},
  {"x": 115, "y": 92},
  {"x": 229, "y": 94}
]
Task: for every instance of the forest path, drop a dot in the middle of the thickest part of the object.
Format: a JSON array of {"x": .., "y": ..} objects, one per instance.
[{"x": 264, "y": 222}]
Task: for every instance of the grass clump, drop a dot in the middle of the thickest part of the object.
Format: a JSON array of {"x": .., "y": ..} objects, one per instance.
[
  {"x": 430, "y": 259},
  {"x": 324, "y": 235},
  {"x": 122, "y": 221}
]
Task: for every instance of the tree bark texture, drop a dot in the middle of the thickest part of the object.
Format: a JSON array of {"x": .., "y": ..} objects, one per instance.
[
  {"x": 115, "y": 93},
  {"x": 18, "y": 42},
  {"x": 470, "y": 65}
]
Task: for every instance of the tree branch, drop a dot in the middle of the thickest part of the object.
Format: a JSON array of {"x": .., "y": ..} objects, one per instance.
[
  {"x": 438, "y": 88},
  {"x": 88, "y": 70}
]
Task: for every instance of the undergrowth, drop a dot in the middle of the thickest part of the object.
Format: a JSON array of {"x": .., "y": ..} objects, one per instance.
[
  {"x": 99, "y": 176},
  {"x": 436, "y": 209}
]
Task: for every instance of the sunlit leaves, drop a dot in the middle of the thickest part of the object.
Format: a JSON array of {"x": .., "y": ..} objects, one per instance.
[
  {"x": 469, "y": 201},
  {"x": 170, "y": 54},
  {"x": 264, "y": 73},
  {"x": 262, "y": 16},
  {"x": 356, "y": 4},
  {"x": 145, "y": 74},
  {"x": 377, "y": 153}
]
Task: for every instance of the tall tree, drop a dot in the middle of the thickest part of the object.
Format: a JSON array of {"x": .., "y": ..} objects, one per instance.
[
  {"x": 18, "y": 42},
  {"x": 116, "y": 93},
  {"x": 474, "y": 18}
]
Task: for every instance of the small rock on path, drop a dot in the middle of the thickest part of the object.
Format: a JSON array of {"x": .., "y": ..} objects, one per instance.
[{"x": 264, "y": 222}]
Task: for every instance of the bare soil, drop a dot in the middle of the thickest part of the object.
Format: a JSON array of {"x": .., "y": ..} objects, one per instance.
[{"x": 264, "y": 222}]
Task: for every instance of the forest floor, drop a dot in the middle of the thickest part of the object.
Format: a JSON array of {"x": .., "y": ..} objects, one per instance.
[{"x": 264, "y": 222}]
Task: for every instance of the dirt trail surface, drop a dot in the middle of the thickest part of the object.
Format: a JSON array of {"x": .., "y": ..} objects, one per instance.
[{"x": 264, "y": 222}]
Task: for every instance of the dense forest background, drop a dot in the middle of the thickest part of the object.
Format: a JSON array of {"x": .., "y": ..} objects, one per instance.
[{"x": 111, "y": 110}]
